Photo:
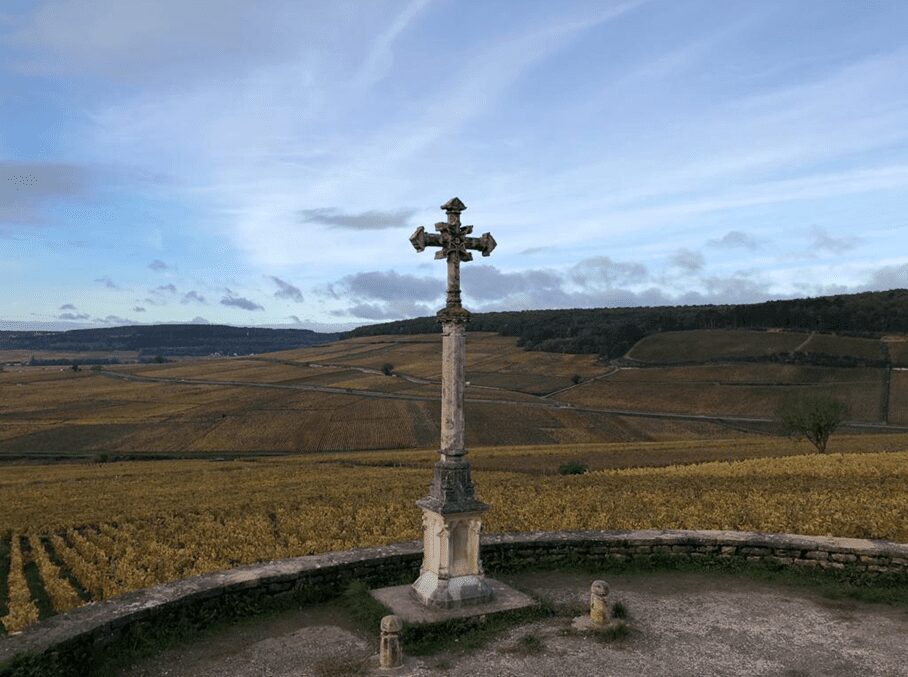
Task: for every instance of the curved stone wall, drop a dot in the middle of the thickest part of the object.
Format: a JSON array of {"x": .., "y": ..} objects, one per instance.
[{"x": 73, "y": 639}]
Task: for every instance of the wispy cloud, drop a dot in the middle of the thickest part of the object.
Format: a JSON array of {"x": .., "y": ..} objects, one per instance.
[
  {"x": 234, "y": 301},
  {"x": 601, "y": 272},
  {"x": 158, "y": 265},
  {"x": 107, "y": 282},
  {"x": 193, "y": 297},
  {"x": 889, "y": 277},
  {"x": 822, "y": 242},
  {"x": 285, "y": 290},
  {"x": 369, "y": 220},
  {"x": 380, "y": 56},
  {"x": 735, "y": 239},
  {"x": 687, "y": 261}
]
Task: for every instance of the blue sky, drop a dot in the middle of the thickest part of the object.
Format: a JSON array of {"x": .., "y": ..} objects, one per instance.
[{"x": 194, "y": 160}]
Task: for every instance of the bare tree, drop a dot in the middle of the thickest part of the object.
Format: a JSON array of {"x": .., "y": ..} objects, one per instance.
[{"x": 813, "y": 417}]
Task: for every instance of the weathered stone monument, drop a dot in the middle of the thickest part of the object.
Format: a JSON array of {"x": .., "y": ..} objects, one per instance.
[
  {"x": 451, "y": 583},
  {"x": 451, "y": 574}
]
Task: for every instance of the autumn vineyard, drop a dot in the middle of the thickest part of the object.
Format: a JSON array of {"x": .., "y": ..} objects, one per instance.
[{"x": 175, "y": 469}]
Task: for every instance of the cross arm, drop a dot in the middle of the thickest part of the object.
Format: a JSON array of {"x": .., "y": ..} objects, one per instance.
[
  {"x": 421, "y": 239},
  {"x": 484, "y": 244}
]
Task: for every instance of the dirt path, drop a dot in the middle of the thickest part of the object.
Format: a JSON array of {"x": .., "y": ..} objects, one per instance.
[
  {"x": 683, "y": 624},
  {"x": 547, "y": 404}
]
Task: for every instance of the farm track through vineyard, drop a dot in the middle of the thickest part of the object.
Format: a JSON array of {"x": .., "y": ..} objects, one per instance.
[
  {"x": 338, "y": 397},
  {"x": 551, "y": 404}
]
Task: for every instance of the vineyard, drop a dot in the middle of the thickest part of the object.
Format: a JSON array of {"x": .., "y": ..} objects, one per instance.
[
  {"x": 338, "y": 396},
  {"x": 73, "y": 533}
]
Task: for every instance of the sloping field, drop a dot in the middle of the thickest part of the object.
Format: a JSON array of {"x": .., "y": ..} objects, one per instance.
[
  {"x": 491, "y": 360},
  {"x": 731, "y": 391},
  {"x": 746, "y": 374},
  {"x": 714, "y": 344},
  {"x": 336, "y": 397},
  {"x": 267, "y": 403},
  {"x": 898, "y": 352},
  {"x": 23, "y": 356},
  {"x": 81, "y": 532},
  {"x": 898, "y": 398},
  {"x": 861, "y": 348}
]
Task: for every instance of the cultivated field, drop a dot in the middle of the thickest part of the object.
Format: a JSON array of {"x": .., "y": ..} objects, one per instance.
[
  {"x": 714, "y": 344},
  {"x": 78, "y": 532},
  {"x": 898, "y": 405},
  {"x": 862, "y": 348},
  {"x": 898, "y": 352},
  {"x": 336, "y": 397},
  {"x": 733, "y": 390}
]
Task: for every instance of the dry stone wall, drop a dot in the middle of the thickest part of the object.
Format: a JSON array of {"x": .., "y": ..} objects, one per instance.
[{"x": 70, "y": 643}]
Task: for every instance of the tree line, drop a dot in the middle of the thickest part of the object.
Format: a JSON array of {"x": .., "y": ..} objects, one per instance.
[{"x": 610, "y": 332}]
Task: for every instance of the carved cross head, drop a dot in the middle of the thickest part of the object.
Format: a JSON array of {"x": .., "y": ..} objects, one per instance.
[{"x": 452, "y": 237}]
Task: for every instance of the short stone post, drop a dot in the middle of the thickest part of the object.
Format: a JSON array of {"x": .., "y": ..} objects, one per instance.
[
  {"x": 390, "y": 654},
  {"x": 599, "y": 614}
]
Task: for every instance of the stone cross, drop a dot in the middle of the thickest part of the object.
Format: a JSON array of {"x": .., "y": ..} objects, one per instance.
[
  {"x": 454, "y": 243},
  {"x": 451, "y": 575}
]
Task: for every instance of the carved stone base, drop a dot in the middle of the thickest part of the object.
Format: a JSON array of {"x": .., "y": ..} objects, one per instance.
[
  {"x": 451, "y": 575},
  {"x": 451, "y": 593}
]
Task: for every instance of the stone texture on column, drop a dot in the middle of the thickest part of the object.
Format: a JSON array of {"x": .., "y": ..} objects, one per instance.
[{"x": 453, "y": 349}]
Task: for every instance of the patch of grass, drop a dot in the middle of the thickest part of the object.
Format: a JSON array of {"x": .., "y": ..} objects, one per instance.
[
  {"x": 460, "y": 634},
  {"x": 183, "y": 626},
  {"x": 340, "y": 667},
  {"x": 465, "y": 634},
  {"x": 572, "y": 468},
  {"x": 619, "y": 610},
  {"x": 613, "y": 632},
  {"x": 833, "y": 585},
  {"x": 528, "y": 645},
  {"x": 362, "y": 607}
]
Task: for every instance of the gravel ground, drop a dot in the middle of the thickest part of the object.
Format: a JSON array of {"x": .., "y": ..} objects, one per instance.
[{"x": 681, "y": 624}]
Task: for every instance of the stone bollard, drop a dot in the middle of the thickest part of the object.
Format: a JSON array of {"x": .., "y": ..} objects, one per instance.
[
  {"x": 599, "y": 615},
  {"x": 390, "y": 654}
]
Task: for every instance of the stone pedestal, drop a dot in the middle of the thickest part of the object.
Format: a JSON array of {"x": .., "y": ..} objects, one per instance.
[{"x": 451, "y": 574}]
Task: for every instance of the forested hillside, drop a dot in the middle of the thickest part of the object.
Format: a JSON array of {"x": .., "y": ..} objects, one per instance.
[
  {"x": 166, "y": 339},
  {"x": 610, "y": 332}
]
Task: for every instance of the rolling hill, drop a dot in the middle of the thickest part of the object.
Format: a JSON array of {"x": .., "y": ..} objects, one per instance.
[
  {"x": 165, "y": 339},
  {"x": 336, "y": 397}
]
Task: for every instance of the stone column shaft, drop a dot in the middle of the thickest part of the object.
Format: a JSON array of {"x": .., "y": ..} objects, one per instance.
[{"x": 452, "y": 387}]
